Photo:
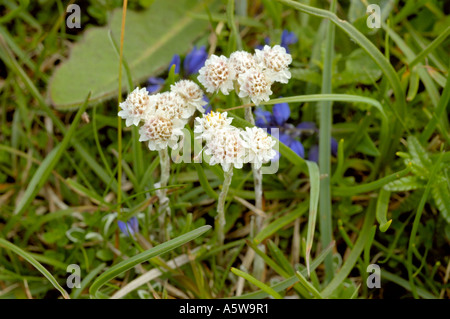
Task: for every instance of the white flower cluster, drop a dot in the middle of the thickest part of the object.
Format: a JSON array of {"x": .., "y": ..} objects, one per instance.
[
  {"x": 253, "y": 74},
  {"x": 162, "y": 115},
  {"x": 230, "y": 146}
]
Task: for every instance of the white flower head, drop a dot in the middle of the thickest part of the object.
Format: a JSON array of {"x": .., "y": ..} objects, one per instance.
[
  {"x": 161, "y": 131},
  {"x": 242, "y": 61},
  {"x": 211, "y": 123},
  {"x": 255, "y": 84},
  {"x": 172, "y": 105},
  {"x": 136, "y": 107},
  {"x": 276, "y": 62},
  {"x": 226, "y": 147},
  {"x": 217, "y": 75},
  {"x": 191, "y": 93},
  {"x": 259, "y": 146}
]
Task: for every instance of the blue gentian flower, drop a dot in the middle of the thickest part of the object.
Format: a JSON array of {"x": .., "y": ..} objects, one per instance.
[
  {"x": 278, "y": 118},
  {"x": 195, "y": 60},
  {"x": 288, "y": 38},
  {"x": 130, "y": 227},
  {"x": 177, "y": 61},
  {"x": 290, "y": 134},
  {"x": 155, "y": 84},
  {"x": 281, "y": 113}
]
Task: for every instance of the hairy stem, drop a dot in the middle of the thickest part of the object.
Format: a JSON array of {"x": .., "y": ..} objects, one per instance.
[
  {"x": 164, "y": 208},
  {"x": 220, "y": 219}
]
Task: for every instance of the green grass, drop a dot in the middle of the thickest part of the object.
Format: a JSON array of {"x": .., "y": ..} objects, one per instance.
[{"x": 66, "y": 177}]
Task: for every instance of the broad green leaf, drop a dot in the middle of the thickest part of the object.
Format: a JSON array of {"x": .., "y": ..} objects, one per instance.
[
  {"x": 152, "y": 37},
  {"x": 307, "y": 75}
]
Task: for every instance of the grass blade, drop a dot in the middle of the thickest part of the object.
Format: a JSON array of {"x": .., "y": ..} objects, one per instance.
[
  {"x": 281, "y": 222},
  {"x": 35, "y": 263},
  {"x": 308, "y": 285},
  {"x": 256, "y": 282},
  {"x": 314, "y": 180},
  {"x": 290, "y": 281},
  {"x": 43, "y": 172},
  {"x": 364, "y": 236},
  {"x": 382, "y": 209},
  {"x": 144, "y": 256}
]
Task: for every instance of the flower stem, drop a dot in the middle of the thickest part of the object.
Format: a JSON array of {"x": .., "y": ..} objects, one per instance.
[
  {"x": 258, "y": 263},
  {"x": 220, "y": 219},
  {"x": 164, "y": 208}
]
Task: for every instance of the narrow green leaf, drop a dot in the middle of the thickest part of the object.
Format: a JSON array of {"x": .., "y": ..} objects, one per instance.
[
  {"x": 43, "y": 172},
  {"x": 86, "y": 280},
  {"x": 204, "y": 181},
  {"x": 290, "y": 281},
  {"x": 8, "y": 245},
  {"x": 280, "y": 258},
  {"x": 382, "y": 209},
  {"x": 308, "y": 285},
  {"x": 279, "y": 223},
  {"x": 330, "y": 98},
  {"x": 351, "y": 260},
  {"x": 368, "y": 187},
  {"x": 314, "y": 180},
  {"x": 403, "y": 184},
  {"x": 144, "y": 256},
  {"x": 405, "y": 284},
  {"x": 257, "y": 283}
]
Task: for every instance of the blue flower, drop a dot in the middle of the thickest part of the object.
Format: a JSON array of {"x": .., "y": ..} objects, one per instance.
[
  {"x": 263, "y": 118},
  {"x": 155, "y": 84},
  {"x": 277, "y": 119},
  {"x": 130, "y": 227},
  {"x": 288, "y": 38},
  {"x": 177, "y": 61},
  {"x": 307, "y": 127},
  {"x": 195, "y": 60},
  {"x": 281, "y": 113},
  {"x": 290, "y": 134}
]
